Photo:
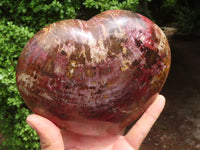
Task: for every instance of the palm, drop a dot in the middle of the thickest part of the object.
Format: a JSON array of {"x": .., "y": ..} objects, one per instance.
[
  {"x": 95, "y": 143},
  {"x": 51, "y": 137}
]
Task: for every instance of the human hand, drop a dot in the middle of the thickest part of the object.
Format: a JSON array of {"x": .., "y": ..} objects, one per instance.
[{"x": 52, "y": 138}]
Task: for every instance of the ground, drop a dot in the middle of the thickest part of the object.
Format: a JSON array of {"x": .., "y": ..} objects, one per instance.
[{"x": 178, "y": 127}]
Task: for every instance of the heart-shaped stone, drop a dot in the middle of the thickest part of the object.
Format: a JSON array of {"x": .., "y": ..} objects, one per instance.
[{"x": 94, "y": 77}]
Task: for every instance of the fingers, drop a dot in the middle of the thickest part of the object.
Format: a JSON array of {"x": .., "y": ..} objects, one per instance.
[
  {"x": 140, "y": 130},
  {"x": 51, "y": 138},
  {"x": 49, "y": 133}
]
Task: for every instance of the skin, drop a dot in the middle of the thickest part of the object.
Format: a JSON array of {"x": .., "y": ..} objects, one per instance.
[{"x": 51, "y": 137}]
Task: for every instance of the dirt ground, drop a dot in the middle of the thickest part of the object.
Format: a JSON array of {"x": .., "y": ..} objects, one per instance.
[{"x": 178, "y": 127}]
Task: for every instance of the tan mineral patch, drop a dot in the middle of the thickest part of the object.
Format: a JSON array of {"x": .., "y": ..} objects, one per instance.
[
  {"x": 27, "y": 79},
  {"x": 125, "y": 65}
]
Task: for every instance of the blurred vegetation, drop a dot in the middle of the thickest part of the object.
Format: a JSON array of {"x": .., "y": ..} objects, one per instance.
[
  {"x": 183, "y": 14},
  {"x": 21, "y": 19}
]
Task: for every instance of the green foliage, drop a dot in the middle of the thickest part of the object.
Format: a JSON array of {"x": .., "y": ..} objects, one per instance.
[
  {"x": 13, "y": 112},
  {"x": 188, "y": 18},
  {"x": 38, "y": 13},
  {"x": 185, "y": 18},
  {"x": 112, "y": 4},
  {"x": 170, "y": 4}
]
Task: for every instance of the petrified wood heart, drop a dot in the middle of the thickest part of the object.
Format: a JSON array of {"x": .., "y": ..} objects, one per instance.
[{"x": 94, "y": 77}]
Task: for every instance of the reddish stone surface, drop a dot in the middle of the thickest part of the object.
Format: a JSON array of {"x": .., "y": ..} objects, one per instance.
[{"x": 94, "y": 77}]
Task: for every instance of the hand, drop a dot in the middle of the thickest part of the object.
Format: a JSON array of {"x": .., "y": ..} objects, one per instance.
[{"x": 52, "y": 138}]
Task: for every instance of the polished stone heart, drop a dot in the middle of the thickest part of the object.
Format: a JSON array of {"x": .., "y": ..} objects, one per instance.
[{"x": 94, "y": 77}]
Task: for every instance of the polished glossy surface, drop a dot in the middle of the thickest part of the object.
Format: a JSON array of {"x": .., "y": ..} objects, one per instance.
[{"x": 94, "y": 77}]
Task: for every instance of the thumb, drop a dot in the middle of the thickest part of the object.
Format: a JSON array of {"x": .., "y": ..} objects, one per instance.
[{"x": 49, "y": 133}]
